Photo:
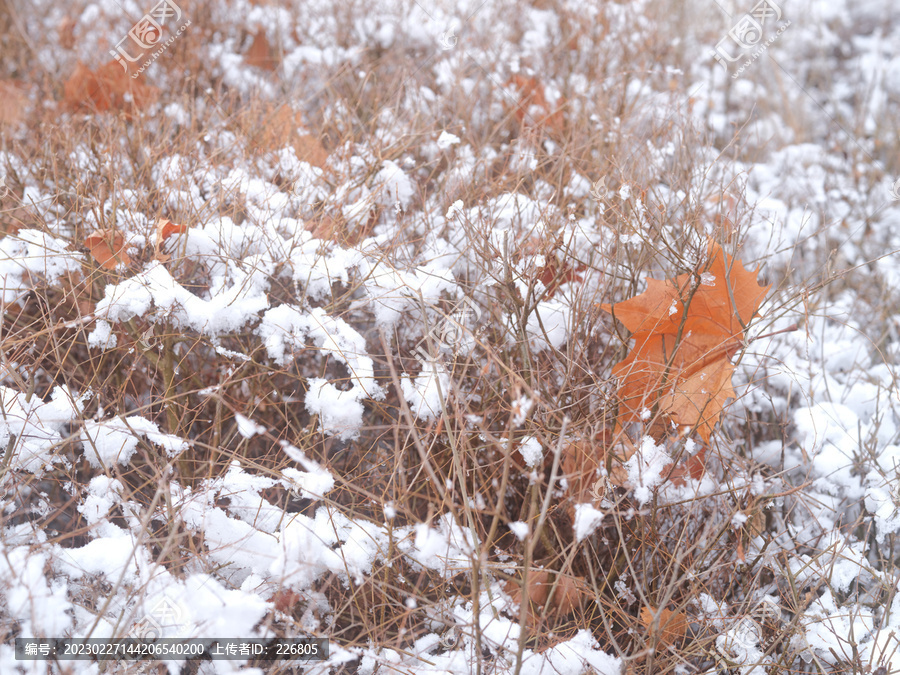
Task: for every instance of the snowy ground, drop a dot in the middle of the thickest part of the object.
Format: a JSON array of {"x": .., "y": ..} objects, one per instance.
[{"x": 336, "y": 403}]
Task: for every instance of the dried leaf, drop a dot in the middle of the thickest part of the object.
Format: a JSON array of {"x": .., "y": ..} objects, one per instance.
[
  {"x": 310, "y": 150},
  {"x": 66, "y": 32},
  {"x": 285, "y": 600},
  {"x": 568, "y": 595},
  {"x": 13, "y": 102},
  {"x": 588, "y": 465},
  {"x": 107, "y": 247},
  {"x": 327, "y": 228},
  {"x": 109, "y": 87},
  {"x": 261, "y": 54},
  {"x": 551, "y": 263},
  {"x": 283, "y": 127},
  {"x": 554, "y": 274},
  {"x": 165, "y": 228},
  {"x": 693, "y": 467},
  {"x": 582, "y": 464},
  {"x": 672, "y": 625},
  {"x": 532, "y": 108},
  {"x": 685, "y": 332}
]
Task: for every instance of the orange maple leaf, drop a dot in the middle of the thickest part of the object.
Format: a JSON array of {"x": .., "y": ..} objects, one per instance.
[{"x": 685, "y": 332}]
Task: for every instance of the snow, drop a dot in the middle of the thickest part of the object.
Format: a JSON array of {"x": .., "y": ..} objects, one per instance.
[
  {"x": 225, "y": 311},
  {"x": 827, "y": 627},
  {"x": 28, "y": 256},
  {"x": 285, "y": 330},
  {"x": 314, "y": 482},
  {"x": 394, "y": 185},
  {"x": 519, "y": 529},
  {"x": 521, "y": 407},
  {"x": 247, "y": 427},
  {"x": 446, "y": 548},
  {"x": 112, "y": 557},
  {"x": 200, "y": 606},
  {"x": 41, "y": 606},
  {"x": 115, "y": 441},
  {"x": 548, "y": 325},
  {"x": 446, "y": 140},
  {"x": 645, "y": 468},
  {"x": 102, "y": 491},
  {"x": 36, "y": 426},
  {"x": 587, "y": 520},
  {"x": 427, "y": 393},
  {"x": 431, "y": 259},
  {"x": 531, "y": 450},
  {"x": 741, "y": 645},
  {"x": 885, "y": 650},
  {"x": 573, "y": 657},
  {"x": 395, "y": 292},
  {"x": 828, "y": 433}
]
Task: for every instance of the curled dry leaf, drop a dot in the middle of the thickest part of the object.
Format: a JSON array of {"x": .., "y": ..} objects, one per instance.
[
  {"x": 107, "y": 247},
  {"x": 692, "y": 468},
  {"x": 685, "y": 332},
  {"x": 550, "y": 263},
  {"x": 285, "y": 600},
  {"x": 165, "y": 228},
  {"x": 554, "y": 274},
  {"x": 672, "y": 625}
]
